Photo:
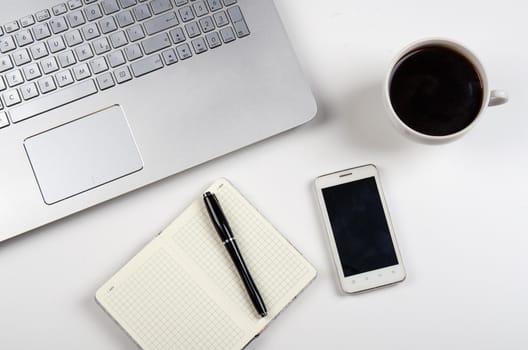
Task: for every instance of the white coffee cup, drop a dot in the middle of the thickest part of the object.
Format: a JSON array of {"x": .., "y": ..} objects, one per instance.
[{"x": 490, "y": 97}]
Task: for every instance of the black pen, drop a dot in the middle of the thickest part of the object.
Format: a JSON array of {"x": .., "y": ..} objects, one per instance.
[{"x": 226, "y": 235}]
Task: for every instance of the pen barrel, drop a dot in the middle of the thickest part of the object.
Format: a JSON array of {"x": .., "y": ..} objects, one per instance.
[
  {"x": 238, "y": 260},
  {"x": 223, "y": 229}
]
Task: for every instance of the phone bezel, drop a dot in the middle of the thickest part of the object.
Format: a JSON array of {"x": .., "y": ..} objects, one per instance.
[{"x": 370, "y": 279}]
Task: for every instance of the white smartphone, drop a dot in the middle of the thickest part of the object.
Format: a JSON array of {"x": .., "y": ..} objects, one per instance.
[{"x": 359, "y": 228}]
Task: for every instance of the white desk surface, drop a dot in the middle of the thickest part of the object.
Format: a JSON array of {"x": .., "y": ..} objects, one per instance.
[{"x": 459, "y": 210}]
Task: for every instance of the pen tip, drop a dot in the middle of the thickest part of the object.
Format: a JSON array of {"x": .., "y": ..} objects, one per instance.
[{"x": 207, "y": 194}]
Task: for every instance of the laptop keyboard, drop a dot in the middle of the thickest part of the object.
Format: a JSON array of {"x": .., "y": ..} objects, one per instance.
[{"x": 79, "y": 48}]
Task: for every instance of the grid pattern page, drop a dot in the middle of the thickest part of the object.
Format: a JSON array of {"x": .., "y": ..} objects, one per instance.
[
  {"x": 162, "y": 308},
  {"x": 274, "y": 265}
]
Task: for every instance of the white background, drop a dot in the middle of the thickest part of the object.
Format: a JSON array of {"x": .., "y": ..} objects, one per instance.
[{"x": 459, "y": 210}]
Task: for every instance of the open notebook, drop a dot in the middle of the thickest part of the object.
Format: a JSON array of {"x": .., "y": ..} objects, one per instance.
[{"x": 182, "y": 290}]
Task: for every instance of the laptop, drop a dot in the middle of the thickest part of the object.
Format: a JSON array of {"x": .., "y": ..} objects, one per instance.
[{"x": 102, "y": 97}]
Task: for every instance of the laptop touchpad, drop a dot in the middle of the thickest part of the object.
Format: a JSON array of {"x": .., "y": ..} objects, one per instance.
[{"x": 83, "y": 154}]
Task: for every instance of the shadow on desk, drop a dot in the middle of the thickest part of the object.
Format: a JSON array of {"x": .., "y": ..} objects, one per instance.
[
  {"x": 107, "y": 327},
  {"x": 366, "y": 124}
]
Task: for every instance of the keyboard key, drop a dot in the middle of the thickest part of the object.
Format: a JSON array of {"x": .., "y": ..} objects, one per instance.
[
  {"x": 156, "y": 43},
  {"x": 67, "y": 59},
  {"x": 124, "y": 18},
  {"x": 200, "y": 8},
  {"x": 90, "y": 31},
  {"x": 93, "y": 12},
  {"x": 3, "y": 118},
  {"x": 160, "y": 6},
  {"x": 52, "y": 101},
  {"x": 14, "y": 78},
  {"x": 235, "y": 14},
  {"x": 49, "y": 65},
  {"x": 213, "y": 40},
  {"x": 116, "y": 58},
  {"x": 241, "y": 28},
  {"x": 56, "y": 44},
  {"x": 177, "y": 35},
  {"x": 73, "y": 38},
  {"x": 64, "y": 78},
  {"x": 161, "y": 23},
  {"x": 84, "y": 52},
  {"x": 214, "y": 5},
  {"x": 101, "y": 46},
  {"x": 118, "y": 39},
  {"x": 41, "y": 31},
  {"x": 105, "y": 81},
  {"x": 207, "y": 24},
  {"x": 5, "y": 63},
  {"x": 146, "y": 65},
  {"x": 32, "y": 72},
  {"x": 169, "y": 56},
  {"x": 38, "y": 50},
  {"x": 81, "y": 71},
  {"x": 127, "y": 3},
  {"x": 135, "y": 33},
  {"x": 59, "y": 9},
  {"x": 133, "y": 52},
  {"x": 181, "y": 2},
  {"x": 122, "y": 75},
  {"x": 27, "y": 21},
  {"x": 11, "y": 97},
  {"x": 107, "y": 25},
  {"x": 21, "y": 57},
  {"x": 58, "y": 25},
  {"x": 186, "y": 14},
  {"x": 29, "y": 91},
  {"x": 43, "y": 15},
  {"x": 7, "y": 44},
  {"x": 184, "y": 51},
  {"x": 199, "y": 45},
  {"x": 99, "y": 65},
  {"x": 193, "y": 30},
  {"x": 221, "y": 19},
  {"x": 110, "y": 6},
  {"x": 11, "y": 27},
  {"x": 2, "y": 86},
  {"x": 142, "y": 12},
  {"x": 229, "y": 2},
  {"x": 46, "y": 84},
  {"x": 227, "y": 35},
  {"x": 74, "y": 4},
  {"x": 24, "y": 37}
]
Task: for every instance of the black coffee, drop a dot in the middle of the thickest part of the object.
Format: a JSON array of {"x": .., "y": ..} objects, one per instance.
[{"x": 436, "y": 91}]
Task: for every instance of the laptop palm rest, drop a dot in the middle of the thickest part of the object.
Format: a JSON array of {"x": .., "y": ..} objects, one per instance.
[{"x": 83, "y": 154}]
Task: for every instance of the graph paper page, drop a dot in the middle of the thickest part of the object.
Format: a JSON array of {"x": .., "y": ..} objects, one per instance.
[{"x": 278, "y": 269}]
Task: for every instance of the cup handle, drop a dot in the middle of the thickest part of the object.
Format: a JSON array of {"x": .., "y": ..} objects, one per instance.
[{"x": 498, "y": 97}]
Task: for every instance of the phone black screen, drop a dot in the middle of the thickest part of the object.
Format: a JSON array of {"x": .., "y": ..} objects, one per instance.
[{"x": 359, "y": 225}]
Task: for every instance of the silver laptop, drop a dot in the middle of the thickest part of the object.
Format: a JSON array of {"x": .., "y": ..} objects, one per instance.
[{"x": 101, "y": 97}]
